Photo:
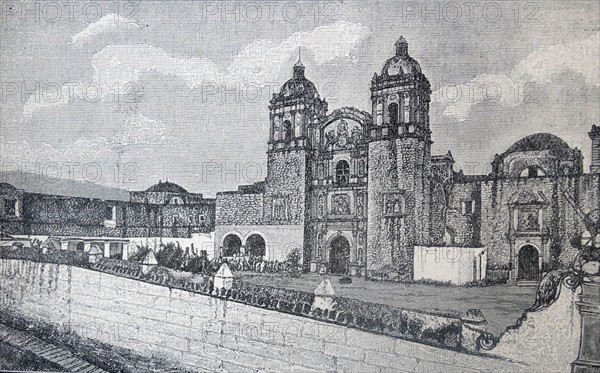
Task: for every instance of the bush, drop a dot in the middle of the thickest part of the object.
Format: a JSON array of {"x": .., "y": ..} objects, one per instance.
[
  {"x": 293, "y": 261},
  {"x": 139, "y": 255},
  {"x": 428, "y": 281},
  {"x": 170, "y": 256},
  {"x": 345, "y": 280}
]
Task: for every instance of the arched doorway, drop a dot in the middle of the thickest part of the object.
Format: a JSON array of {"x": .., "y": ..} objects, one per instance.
[
  {"x": 529, "y": 268},
  {"x": 255, "y": 245},
  {"x": 231, "y": 245},
  {"x": 339, "y": 255}
]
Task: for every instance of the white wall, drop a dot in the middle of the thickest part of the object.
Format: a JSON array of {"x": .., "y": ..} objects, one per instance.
[
  {"x": 458, "y": 265},
  {"x": 279, "y": 239}
]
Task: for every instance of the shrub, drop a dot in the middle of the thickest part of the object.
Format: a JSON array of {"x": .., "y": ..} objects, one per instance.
[
  {"x": 139, "y": 255},
  {"x": 293, "y": 261},
  {"x": 345, "y": 280}
]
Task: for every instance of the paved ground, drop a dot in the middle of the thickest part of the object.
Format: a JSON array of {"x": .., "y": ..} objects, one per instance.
[
  {"x": 502, "y": 305},
  {"x": 22, "y": 351}
]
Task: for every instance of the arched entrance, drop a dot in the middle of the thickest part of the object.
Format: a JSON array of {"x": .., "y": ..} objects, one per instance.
[
  {"x": 339, "y": 255},
  {"x": 529, "y": 268},
  {"x": 255, "y": 245},
  {"x": 231, "y": 245}
]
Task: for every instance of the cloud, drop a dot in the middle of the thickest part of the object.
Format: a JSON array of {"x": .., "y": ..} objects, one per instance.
[
  {"x": 107, "y": 25},
  {"x": 259, "y": 62},
  {"x": 118, "y": 66},
  {"x": 262, "y": 60},
  {"x": 524, "y": 81},
  {"x": 580, "y": 57},
  {"x": 123, "y": 64},
  {"x": 141, "y": 130}
]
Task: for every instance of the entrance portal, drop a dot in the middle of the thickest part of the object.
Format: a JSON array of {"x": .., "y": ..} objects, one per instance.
[
  {"x": 529, "y": 268},
  {"x": 339, "y": 255}
]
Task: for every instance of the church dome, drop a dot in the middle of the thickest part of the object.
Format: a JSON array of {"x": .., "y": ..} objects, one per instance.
[
  {"x": 166, "y": 187},
  {"x": 553, "y": 156},
  {"x": 540, "y": 142},
  {"x": 298, "y": 85},
  {"x": 401, "y": 64}
]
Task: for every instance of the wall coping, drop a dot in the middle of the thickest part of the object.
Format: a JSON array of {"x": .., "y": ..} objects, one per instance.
[{"x": 441, "y": 331}]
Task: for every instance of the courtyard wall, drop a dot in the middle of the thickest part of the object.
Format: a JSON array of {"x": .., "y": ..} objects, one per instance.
[{"x": 205, "y": 333}]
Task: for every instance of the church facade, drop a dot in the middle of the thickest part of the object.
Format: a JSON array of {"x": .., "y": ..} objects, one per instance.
[{"x": 357, "y": 191}]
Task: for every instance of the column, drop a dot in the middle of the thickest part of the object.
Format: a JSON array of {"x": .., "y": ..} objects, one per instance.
[
  {"x": 107, "y": 249},
  {"x": 125, "y": 251},
  {"x": 512, "y": 276}
]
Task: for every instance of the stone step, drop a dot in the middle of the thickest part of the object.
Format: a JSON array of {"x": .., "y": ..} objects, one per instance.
[{"x": 527, "y": 283}]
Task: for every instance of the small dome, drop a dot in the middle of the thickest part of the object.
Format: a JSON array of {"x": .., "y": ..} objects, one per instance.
[
  {"x": 298, "y": 86},
  {"x": 166, "y": 187},
  {"x": 401, "y": 63}
]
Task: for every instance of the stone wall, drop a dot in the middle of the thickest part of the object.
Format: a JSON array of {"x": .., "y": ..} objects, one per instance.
[
  {"x": 285, "y": 188},
  {"x": 465, "y": 225},
  {"x": 204, "y": 333},
  {"x": 42, "y": 214},
  {"x": 382, "y": 177},
  {"x": 561, "y": 222},
  {"x": 237, "y": 208}
]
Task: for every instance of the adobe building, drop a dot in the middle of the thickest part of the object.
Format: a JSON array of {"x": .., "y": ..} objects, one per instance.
[{"x": 360, "y": 192}]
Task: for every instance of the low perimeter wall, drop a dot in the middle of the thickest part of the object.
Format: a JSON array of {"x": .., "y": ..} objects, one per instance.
[
  {"x": 208, "y": 333},
  {"x": 457, "y": 265}
]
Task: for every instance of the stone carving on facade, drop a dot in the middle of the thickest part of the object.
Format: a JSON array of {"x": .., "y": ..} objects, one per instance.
[
  {"x": 280, "y": 208},
  {"x": 393, "y": 204},
  {"x": 359, "y": 205},
  {"x": 528, "y": 219},
  {"x": 340, "y": 204},
  {"x": 321, "y": 206}
]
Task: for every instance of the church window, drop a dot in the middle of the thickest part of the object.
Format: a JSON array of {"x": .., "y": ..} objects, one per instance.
[
  {"x": 342, "y": 172},
  {"x": 393, "y": 113},
  {"x": 406, "y": 108},
  {"x": 176, "y": 201},
  {"x": 110, "y": 213},
  {"x": 10, "y": 207},
  {"x": 532, "y": 171},
  {"x": 467, "y": 207},
  {"x": 287, "y": 130}
]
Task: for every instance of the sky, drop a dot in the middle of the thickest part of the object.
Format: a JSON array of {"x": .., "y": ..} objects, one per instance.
[{"x": 125, "y": 94}]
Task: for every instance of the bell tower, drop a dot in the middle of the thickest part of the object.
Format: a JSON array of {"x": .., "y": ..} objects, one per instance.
[
  {"x": 399, "y": 164},
  {"x": 293, "y": 113}
]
